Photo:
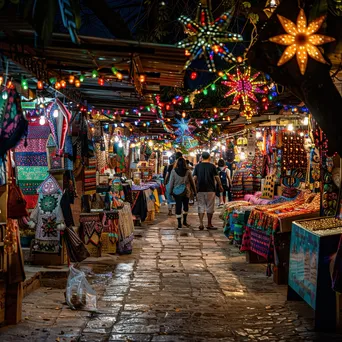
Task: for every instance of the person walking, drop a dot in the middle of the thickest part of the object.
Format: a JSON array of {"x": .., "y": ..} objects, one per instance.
[
  {"x": 226, "y": 182},
  {"x": 205, "y": 175},
  {"x": 181, "y": 185},
  {"x": 170, "y": 200}
]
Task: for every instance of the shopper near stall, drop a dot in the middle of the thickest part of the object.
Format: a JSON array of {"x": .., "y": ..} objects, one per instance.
[
  {"x": 206, "y": 177},
  {"x": 181, "y": 186},
  {"x": 170, "y": 200},
  {"x": 225, "y": 177}
]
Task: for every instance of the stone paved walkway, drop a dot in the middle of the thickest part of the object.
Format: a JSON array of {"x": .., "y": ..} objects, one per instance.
[{"x": 186, "y": 285}]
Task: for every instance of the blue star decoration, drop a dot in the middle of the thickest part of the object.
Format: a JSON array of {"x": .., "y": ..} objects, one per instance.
[
  {"x": 207, "y": 37},
  {"x": 183, "y": 127}
]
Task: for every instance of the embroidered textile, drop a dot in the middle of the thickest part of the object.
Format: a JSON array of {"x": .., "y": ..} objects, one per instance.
[
  {"x": 30, "y": 159},
  {"x": 32, "y": 173},
  {"x": 33, "y": 145},
  {"x": 91, "y": 228},
  {"x": 47, "y": 215},
  {"x": 38, "y": 131}
]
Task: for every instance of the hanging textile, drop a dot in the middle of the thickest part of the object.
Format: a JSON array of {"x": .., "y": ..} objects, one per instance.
[{"x": 47, "y": 217}]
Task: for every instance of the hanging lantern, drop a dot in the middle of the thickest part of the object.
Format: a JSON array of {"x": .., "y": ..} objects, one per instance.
[{"x": 301, "y": 40}]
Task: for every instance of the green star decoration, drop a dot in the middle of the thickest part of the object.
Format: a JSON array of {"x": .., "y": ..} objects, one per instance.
[{"x": 207, "y": 37}]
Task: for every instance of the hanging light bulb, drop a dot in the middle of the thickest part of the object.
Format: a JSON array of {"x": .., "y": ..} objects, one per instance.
[
  {"x": 183, "y": 115},
  {"x": 94, "y": 73},
  {"x": 82, "y": 78},
  {"x": 119, "y": 75},
  {"x": 63, "y": 83},
  {"x": 4, "y": 95},
  {"x": 306, "y": 121},
  {"x": 24, "y": 83},
  {"x": 205, "y": 92},
  {"x": 52, "y": 80},
  {"x": 57, "y": 85},
  {"x": 42, "y": 120},
  {"x": 55, "y": 113},
  {"x": 193, "y": 75},
  {"x": 186, "y": 100},
  {"x": 100, "y": 81},
  {"x": 114, "y": 70},
  {"x": 213, "y": 87},
  {"x": 77, "y": 83},
  {"x": 71, "y": 79},
  {"x": 40, "y": 85},
  {"x": 142, "y": 78},
  {"x": 290, "y": 127}
]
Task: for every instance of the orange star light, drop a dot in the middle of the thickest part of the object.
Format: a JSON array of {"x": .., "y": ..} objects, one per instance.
[{"x": 301, "y": 40}]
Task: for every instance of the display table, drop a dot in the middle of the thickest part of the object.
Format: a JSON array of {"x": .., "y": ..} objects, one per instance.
[{"x": 309, "y": 270}]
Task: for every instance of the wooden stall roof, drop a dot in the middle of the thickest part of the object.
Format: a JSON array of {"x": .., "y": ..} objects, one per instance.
[{"x": 161, "y": 64}]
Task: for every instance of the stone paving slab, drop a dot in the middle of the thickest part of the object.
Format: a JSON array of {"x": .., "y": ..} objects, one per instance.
[{"x": 186, "y": 285}]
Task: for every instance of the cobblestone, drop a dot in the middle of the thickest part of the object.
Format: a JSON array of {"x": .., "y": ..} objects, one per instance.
[{"x": 178, "y": 285}]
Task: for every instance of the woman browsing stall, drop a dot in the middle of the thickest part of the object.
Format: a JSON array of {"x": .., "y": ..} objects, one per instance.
[{"x": 181, "y": 184}]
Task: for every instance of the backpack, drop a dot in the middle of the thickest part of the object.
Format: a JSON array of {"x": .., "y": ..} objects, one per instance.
[
  {"x": 223, "y": 177},
  {"x": 13, "y": 125}
]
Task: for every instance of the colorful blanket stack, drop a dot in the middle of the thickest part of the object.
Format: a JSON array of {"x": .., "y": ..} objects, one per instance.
[
  {"x": 31, "y": 162},
  {"x": 90, "y": 177}
]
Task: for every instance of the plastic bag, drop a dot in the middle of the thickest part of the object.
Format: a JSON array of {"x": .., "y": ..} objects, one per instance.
[{"x": 79, "y": 294}]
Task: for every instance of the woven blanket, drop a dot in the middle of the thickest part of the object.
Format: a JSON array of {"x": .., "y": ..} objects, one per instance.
[
  {"x": 38, "y": 132},
  {"x": 29, "y": 187},
  {"x": 30, "y": 159},
  {"x": 32, "y": 173},
  {"x": 33, "y": 145}
]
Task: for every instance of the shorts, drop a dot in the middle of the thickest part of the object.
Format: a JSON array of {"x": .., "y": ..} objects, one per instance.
[{"x": 206, "y": 202}]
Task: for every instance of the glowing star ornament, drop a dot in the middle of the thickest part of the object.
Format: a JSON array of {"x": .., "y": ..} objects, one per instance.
[
  {"x": 244, "y": 86},
  {"x": 301, "y": 40},
  {"x": 207, "y": 37},
  {"x": 183, "y": 127}
]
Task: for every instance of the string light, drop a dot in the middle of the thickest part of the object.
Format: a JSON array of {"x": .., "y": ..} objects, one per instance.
[
  {"x": 119, "y": 76},
  {"x": 71, "y": 79},
  {"x": 193, "y": 75},
  {"x": 40, "y": 85},
  {"x": 4, "y": 95},
  {"x": 24, "y": 83},
  {"x": 63, "y": 84},
  {"x": 100, "y": 81},
  {"x": 57, "y": 85},
  {"x": 94, "y": 73},
  {"x": 114, "y": 70},
  {"x": 1, "y": 80},
  {"x": 142, "y": 78},
  {"x": 301, "y": 40},
  {"x": 82, "y": 78},
  {"x": 77, "y": 83}
]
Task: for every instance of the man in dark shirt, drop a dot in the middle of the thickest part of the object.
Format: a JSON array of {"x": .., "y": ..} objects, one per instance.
[{"x": 205, "y": 175}]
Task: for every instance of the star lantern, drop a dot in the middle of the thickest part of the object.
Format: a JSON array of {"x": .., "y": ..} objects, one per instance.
[
  {"x": 244, "y": 86},
  {"x": 301, "y": 40},
  {"x": 183, "y": 127},
  {"x": 207, "y": 37}
]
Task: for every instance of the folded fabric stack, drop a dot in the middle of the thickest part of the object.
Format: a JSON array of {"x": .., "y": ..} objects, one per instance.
[{"x": 31, "y": 162}]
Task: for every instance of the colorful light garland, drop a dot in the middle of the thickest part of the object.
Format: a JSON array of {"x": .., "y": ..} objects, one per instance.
[
  {"x": 301, "y": 40},
  {"x": 207, "y": 37}
]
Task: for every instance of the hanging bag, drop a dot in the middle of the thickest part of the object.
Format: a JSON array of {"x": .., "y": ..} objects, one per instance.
[
  {"x": 16, "y": 204},
  {"x": 180, "y": 190}
]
